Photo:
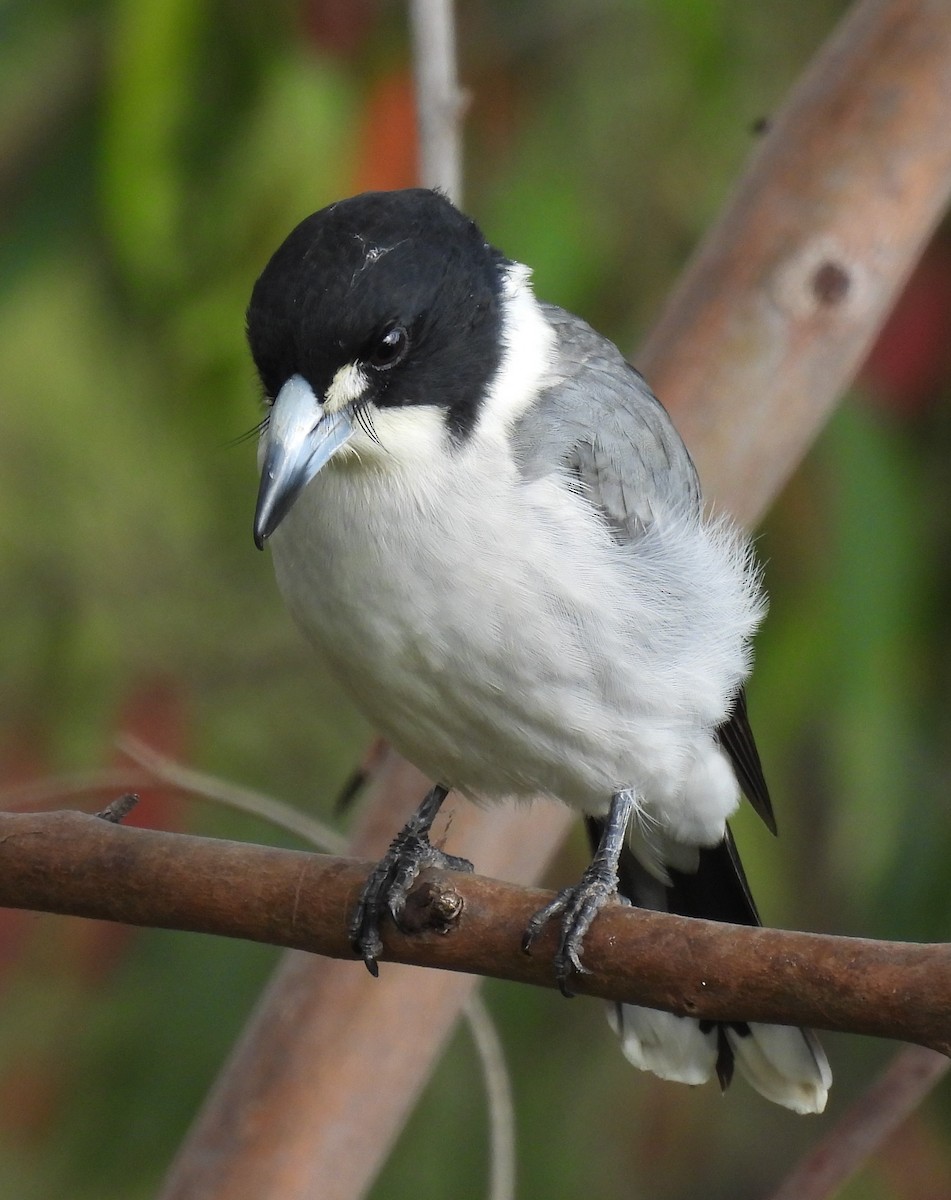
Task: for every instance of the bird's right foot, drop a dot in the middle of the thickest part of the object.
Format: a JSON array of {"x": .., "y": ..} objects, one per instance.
[{"x": 389, "y": 883}]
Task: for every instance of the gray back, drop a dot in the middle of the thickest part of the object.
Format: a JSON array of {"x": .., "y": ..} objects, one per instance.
[{"x": 601, "y": 423}]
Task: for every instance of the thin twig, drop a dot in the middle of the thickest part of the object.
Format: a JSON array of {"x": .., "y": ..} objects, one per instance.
[
  {"x": 158, "y": 768},
  {"x": 119, "y": 809},
  {"x": 57, "y": 789},
  {"x": 498, "y": 1090},
  {"x": 233, "y": 795},
  {"x": 439, "y": 102},
  {"x": 891, "y": 1099}
]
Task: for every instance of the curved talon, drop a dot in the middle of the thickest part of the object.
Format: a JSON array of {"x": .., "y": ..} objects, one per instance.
[
  {"x": 453, "y": 862},
  {"x": 579, "y": 905},
  {"x": 387, "y": 887},
  {"x": 582, "y": 903},
  {"x": 542, "y": 917},
  {"x": 364, "y": 931}
]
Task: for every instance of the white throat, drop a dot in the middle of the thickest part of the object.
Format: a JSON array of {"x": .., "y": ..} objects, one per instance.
[{"x": 528, "y": 343}]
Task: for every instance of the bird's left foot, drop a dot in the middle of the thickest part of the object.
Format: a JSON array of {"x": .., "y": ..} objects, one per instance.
[
  {"x": 577, "y": 906},
  {"x": 388, "y": 886}
]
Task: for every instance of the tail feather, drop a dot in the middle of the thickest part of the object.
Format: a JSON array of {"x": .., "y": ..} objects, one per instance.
[
  {"x": 676, "y": 1048},
  {"x": 785, "y": 1064}
]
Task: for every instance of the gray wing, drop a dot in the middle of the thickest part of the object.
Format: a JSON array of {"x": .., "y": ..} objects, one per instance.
[{"x": 601, "y": 423}]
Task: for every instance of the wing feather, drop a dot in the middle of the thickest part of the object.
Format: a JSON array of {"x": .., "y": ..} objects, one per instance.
[
  {"x": 600, "y": 422},
  {"x": 736, "y": 738}
]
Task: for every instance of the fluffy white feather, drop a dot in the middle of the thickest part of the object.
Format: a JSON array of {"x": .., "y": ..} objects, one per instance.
[{"x": 571, "y": 676}]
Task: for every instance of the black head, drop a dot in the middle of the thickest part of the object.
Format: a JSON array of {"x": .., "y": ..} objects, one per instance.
[{"x": 399, "y": 284}]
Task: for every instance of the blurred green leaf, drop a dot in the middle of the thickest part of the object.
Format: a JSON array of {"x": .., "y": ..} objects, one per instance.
[{"x": 147, "y": 105}]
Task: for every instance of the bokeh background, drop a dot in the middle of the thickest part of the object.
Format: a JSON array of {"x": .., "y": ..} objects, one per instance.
[{"x": 152, "y": 155}]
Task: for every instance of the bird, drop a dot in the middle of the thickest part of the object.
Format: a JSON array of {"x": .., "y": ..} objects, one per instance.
[{"x": 486, "y": 524}]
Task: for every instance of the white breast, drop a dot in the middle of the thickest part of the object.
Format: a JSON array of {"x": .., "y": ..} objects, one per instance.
[{"x": 499, "y": 637}]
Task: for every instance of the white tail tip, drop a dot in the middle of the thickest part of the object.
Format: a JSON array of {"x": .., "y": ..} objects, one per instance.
[
  {"x": 784, "y": 1064},
  {"x": 666, "y": 1045}
]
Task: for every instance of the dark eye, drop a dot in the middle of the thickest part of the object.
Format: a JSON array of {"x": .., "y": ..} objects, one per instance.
[{"x": 390, "y": 349}]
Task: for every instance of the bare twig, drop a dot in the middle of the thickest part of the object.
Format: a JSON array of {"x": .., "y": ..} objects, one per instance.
[
  {"x": 159, "y": 768},
  {"x": 498, "y": 1090},
  {"x": 119, "y": 809},
  {"x": 71, "y": 863},
  {"x": 57, "y": 789},
  {"x": 233, "y": 795},
  {"x": 895, "y": 1095},
  {"x": 439, "y": 102},
  {"x": 283, "y": 816},
  {"x": 318, "y": 1087}
]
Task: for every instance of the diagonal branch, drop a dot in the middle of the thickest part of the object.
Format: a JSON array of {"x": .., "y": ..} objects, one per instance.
[
  {"x": 877, "y": 1114},
  {"x": 70, "y": 863},
  {"x": 781, "y": 302}
]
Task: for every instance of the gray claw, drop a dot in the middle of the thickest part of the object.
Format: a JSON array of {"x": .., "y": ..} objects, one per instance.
[
  {"x": 578, "y": 906},
  {"x": 387, "y": 887}
]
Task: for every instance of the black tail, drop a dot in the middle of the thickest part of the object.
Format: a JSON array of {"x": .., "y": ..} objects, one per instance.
[{"x": 786, "y": 1065}]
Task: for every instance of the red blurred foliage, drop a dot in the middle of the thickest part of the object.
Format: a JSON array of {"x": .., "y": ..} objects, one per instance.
[
  {"x": 495, "y": 104},
  {"x": 84, "y": 952},
  {"x": 154, "y": 712},
  {"x": 24, "y": 759},
  {"x": 13, "y": 928},
  {"x": 912, "y": 357},
  {"x": 30, "y": 1092},
  {"x": 387, "y": 155}
]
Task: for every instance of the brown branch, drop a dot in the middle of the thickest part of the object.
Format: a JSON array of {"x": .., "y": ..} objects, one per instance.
[
  {"x": 70, "y": 863},
  {"x": 781, "y": 302},
  {"x": 318, "y": 1087},
  {"x": 894, "y": 1096}
]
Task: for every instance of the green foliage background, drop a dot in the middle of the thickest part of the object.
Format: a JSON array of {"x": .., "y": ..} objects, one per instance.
[{"x": 152, "y": 155}]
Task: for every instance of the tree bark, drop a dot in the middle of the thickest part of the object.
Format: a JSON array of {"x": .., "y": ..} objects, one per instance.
[{"x": 71, "y": 863}]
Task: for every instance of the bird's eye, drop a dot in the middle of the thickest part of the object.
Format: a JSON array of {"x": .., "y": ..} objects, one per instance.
[{"x": 390, "y": 349}]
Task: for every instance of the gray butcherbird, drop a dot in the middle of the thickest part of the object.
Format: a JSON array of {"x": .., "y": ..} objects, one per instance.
[{"x": 487, "y": 525}]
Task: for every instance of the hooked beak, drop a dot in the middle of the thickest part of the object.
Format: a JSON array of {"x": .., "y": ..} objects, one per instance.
[{"x": 300, "y": 439}]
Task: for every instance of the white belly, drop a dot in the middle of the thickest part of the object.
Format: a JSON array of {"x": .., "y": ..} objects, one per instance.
[{"x": 500, "y": 639}]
